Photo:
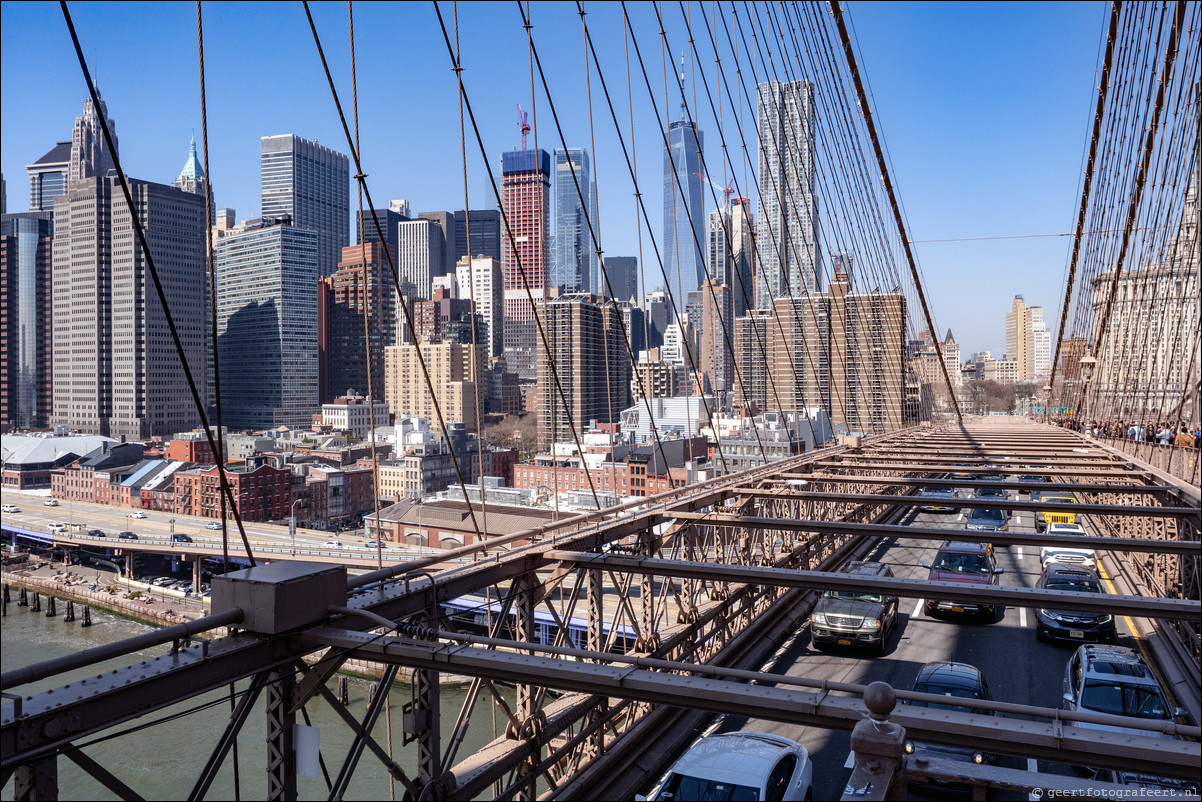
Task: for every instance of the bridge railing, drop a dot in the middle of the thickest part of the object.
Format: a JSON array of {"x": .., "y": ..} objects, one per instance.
[{"x": 1184, "y": 463}]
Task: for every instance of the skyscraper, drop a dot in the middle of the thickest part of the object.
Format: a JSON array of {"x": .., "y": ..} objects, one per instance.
[
  {"x": 342, "y": 298},
  {"x": 684, "y": 216},
  {"x": 742, "y": 240},
  {"x": 418, "y": 252},
  {"x": 116, "y": 371},
  {"x": 192, "y": 177},
  {"x": 623, "y": 272},
  {"x": 267, "y": 326},
  {"x": 442, "y": 260},
  {"x": 485, "y": 225},
  {"x": 585, "y": 340},
  {"x": 573, "y": 257},
  {"x": 525, "y": 196},
  {"x": 717, "y": 370},
  {"x": 25, "y": 320},
  {"x": 388, "y": 220},
  {"x": 90, "y": 155},
  {"x": 479, "y": 280},
  {"x": 48, "y": 177},
  {"x": 311, "y": 184},
  {"x": 788, "y": 258}
]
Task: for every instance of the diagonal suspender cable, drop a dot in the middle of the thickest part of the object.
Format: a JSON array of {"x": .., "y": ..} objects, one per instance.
[
  {"x": 154, "y": 275},
  {"x": 1170, "y": 55},
  {"x": 1103, "y": 87},
  {"x": 901, "y": 226},
  {"x": 362, "y": 179}
]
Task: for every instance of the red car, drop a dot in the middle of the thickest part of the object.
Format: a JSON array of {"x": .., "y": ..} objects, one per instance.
[{"x": 968, "y": 564}]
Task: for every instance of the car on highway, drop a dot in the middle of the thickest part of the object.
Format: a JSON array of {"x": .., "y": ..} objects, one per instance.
[
  {"x": 951, "y": 681},
  {"x": 1068, "y": 555},
  {"x": 10, "y": 508},
  {"x": 940, "y": 498},
  {"x": 50, "y": 502},
  {"x": 986, "y": 520},
  {"x": 127, "y": 536},
  {"x": 741, "y": 766},
  {"x": 1116, "y": 680},
  {"x": 96, "y": 533},
  {"x": 855, "y": 617},
  {"x": 1072, "y": 625},
  {"x": 1045, "y": 518},
  {"x": 968, "y": 564},
  {"x": 375, "y": 544},
  {"x": 136, "y": 514},
  {"x": 333, "y": 544},
  {"x": 57, "y": 526},
  {"x": 177, "y": 538},
  {"x": 962, "y": 474},
  {"x": 213, "y": 525}
]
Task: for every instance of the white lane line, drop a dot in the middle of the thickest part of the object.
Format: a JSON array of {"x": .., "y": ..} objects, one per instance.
[
  {"x": 1022, "y": 617},
  {"x": 1020, "y": 552},
  {"x": 1033, "y": 766},
  {"x": 917, "y": 609},
  {"x": 850, "y": 763}
]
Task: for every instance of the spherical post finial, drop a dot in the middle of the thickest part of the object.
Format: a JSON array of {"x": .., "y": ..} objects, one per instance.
[{"x": 880, "y": 700}]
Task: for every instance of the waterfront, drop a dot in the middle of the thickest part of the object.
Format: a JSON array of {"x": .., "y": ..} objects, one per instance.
[{"x": 162, "y": 760}]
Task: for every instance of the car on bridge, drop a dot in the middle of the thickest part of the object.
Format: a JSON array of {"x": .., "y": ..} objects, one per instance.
[
  {"x": 96, "y": 533},
  {"x": 136, "y": 514},
  {"x": 333, "y": 544},
  {"x": 1032, "y": 480},
  {"x": 855, "y": 617},
  {"x": 991, "y": 492},
  {"x": 741, "y": 765},
  {"x": 10, "y": 508},
  {"x": 50, "y": 502},
  {"x": 1044, "y": 518},
  {"x": 986, "y": 520},
  {"x": 127, "y": 536},
  {"x": 213, "y": 525},
  {"x": 1068, "y": 555},
  {"x": 1072, "y": 625},
  {"x": 940, "y": 498},
  {"x": 177, "y": 538},
  {"x": 951, "y": 681},
  {"x": 57, "y": 526},
  {"x": 968, "y": 564},
  {"x": 1117, "y": 681}
]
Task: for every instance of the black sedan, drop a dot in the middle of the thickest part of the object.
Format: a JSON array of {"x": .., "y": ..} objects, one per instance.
[{"x": 1067, "y": 625}]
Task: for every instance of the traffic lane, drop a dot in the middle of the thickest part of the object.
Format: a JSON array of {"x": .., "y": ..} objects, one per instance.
[{"x": 1004, "y": 651}]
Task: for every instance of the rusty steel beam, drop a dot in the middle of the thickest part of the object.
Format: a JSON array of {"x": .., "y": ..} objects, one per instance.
[
  {"x": 918, "y": 481},
  {"x": 1008, "y": 538},
  {"x": 1051, "y": 740},
  {"x": 1173, "y": 609},
  {"x": 950, "y": 467},
  {"x": 1145, "y": 511}
]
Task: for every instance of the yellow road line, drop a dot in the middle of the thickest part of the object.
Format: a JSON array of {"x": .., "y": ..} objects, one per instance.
[{"x": 1139, "y": 641}]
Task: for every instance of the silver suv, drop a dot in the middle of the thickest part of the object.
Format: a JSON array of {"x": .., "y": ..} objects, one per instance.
[{"x": 1114, "y": 680}]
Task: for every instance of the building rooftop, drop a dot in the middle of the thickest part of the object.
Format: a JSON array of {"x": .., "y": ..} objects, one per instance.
[
  {"x": 454, "y": 515},
  {"x": 193, "y": 170},
  {"x": 59, "y": 154},
  {"x": 19, "y": 449}
]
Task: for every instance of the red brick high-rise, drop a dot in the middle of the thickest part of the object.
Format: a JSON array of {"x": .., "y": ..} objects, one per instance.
[{"x": 525, "y": 198}]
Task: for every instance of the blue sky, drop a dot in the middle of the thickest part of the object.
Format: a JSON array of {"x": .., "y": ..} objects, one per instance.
[{"x": 984, "y": 108}]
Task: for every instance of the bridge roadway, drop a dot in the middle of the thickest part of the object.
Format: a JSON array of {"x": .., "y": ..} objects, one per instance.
[{"x": 1018, "y": 667}]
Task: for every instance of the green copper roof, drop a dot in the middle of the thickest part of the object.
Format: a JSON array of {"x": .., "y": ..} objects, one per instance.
[{"x": 192, "y": 170}]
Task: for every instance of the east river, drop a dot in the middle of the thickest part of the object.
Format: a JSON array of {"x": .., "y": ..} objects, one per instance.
[{"x": 162, "y": 760}]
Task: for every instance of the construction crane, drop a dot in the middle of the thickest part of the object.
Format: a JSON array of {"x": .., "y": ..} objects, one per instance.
[
  {"x": 726, "y": 190},
  {"x": 523, "y": 124}
]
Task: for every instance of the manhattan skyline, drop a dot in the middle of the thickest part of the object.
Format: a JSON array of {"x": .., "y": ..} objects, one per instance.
[{"x": 990, "y": 149}]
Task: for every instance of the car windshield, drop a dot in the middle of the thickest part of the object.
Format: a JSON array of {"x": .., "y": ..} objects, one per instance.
[
  {"x": 954, "y": 691},
  {"x": 1078, "y": 585},
  {"x": 682, "y": 786},
  {"x": 986, "y": 515},
  {"x": 936, "y": 491},
  {"x": 1138, "y": 701},
  {"x": 961, "y": 563},
  {"x": 1057, "y": 500},
  {"x": 851, "y": 594}
]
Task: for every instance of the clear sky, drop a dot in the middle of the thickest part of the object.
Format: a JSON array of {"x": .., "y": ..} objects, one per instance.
[{"x": 984, "y": 107}]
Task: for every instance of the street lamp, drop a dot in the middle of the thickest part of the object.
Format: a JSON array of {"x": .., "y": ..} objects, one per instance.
[
  {"x": 292, "y": 525},
  {"x": 1047, "y": 401}
]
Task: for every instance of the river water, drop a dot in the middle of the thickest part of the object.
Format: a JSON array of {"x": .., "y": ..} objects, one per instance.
[{"x": 163, "y": 760}]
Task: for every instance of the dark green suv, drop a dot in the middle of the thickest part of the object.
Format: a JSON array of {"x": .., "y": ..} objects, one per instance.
[{"x": 856, "y": 617}]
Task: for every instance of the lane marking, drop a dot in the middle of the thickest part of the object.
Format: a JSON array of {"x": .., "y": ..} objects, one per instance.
[
  {"x": 917, "y": 609},
  {"x": 1020, "y": 552},
  {"x": 1139, "y": 641},
  {"x": 1022, "y": 617},
  {"x": 850, "y": 763},
  {"x": 1033, "y": 766}
]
